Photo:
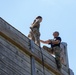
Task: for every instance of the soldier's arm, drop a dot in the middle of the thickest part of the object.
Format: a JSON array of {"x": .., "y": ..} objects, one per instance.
[
  {"x": 46, "y": 42},
  {"x": 35, "y": 24},
  {"x": 55, "y": 42}
]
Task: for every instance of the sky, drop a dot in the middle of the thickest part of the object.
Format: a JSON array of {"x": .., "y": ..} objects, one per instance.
[{"x": 58, "y": 15}]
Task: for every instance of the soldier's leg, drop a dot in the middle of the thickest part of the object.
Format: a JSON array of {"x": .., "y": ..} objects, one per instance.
[
  {"x": 48, "y": 49},
  {"x": 57, "y": 57},
  {"x": 37, "y": 38},
  {"x": 37, "y": 41},
  {"x": 31, "y": 36},
  {"x": 58, "y": 62}
]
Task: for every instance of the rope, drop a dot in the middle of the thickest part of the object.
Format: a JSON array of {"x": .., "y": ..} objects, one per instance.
[{"x": 42, "y": 60}]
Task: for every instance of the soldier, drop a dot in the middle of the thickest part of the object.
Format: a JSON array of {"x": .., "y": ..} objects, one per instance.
[
  {"x": 34, "y": 33},
  {"x": 55, "y": 47}
]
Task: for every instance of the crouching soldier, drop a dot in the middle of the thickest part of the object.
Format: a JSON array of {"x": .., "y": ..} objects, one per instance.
[
  {"x": 55, "y": 47},
  {"x": 34, "y": 33}
]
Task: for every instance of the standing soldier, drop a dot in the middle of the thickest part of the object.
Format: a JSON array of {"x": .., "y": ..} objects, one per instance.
[
  {"x": 55, "y": 47},
  {"x": 34, "y": 33}
]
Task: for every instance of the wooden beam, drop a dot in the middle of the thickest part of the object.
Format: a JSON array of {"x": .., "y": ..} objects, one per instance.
[
  {"x": 32, "y": 59},
  {"x": 29, "y": 53}
]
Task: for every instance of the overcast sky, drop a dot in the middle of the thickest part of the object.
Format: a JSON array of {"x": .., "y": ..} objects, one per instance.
[{"x": 58, "y": 15}]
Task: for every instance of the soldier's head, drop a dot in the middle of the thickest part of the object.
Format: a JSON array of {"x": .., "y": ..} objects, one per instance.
[
  {"x": 56, "y": 34},
  {"x": 40, "y": 18}
]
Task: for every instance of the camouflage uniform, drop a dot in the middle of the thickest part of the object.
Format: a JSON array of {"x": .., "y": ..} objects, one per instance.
[
  {"x": 56, "y": 51},
  {"x": 34, "y": 33}
]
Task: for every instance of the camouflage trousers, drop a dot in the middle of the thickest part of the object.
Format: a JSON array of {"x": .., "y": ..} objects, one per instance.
[
  {"x": 35, "y": 36},
  {"x": 56, "y": 51}
]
